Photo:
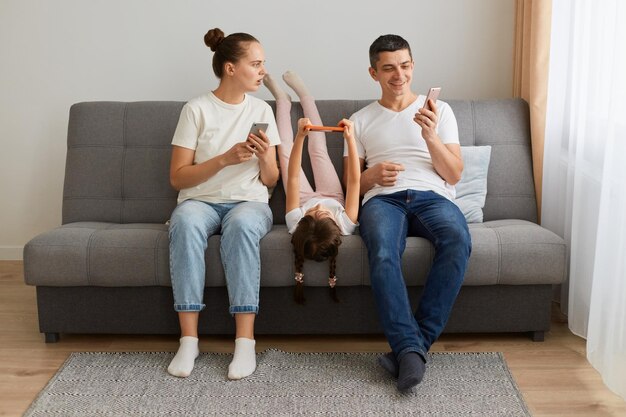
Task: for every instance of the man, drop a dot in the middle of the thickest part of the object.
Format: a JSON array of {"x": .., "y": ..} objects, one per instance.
[{"x": 413, "y": 160}]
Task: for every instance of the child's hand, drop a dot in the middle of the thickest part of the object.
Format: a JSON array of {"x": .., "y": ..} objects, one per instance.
[
  {"x": 302, "y": 130},
  {"x": 348, "y": 133}
]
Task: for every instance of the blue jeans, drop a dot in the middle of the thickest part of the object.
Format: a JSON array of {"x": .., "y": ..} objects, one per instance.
[
  {"x": 242, "y": 225},
  {"x": 385, "y": 222}
]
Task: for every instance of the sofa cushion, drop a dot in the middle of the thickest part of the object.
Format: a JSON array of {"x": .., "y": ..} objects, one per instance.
[
  {"x": 117, "y": 166},
  {"x": 511, "y": 252},
  {"x": 99, "y": 254},
  {"x": 515, "y": 252},
  {"x": 277, "y": 262},
  {"x": 472, "y": 189},
  {"x": 505, "y": 126}
]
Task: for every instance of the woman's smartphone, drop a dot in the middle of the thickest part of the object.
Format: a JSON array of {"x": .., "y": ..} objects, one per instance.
[
  {"x": 433, "y": 93},
  {"x": 256, "y": 128}
]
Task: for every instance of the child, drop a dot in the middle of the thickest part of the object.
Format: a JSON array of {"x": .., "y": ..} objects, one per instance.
[{"x": 316, "y": 219}]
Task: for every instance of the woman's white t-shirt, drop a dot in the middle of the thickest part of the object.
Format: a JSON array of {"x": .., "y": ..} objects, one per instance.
[
  {"x": 346, "y": 225},
  {"x": 211, "y": 127}
]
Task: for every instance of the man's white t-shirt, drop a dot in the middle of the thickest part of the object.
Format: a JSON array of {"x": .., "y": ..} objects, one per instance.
[
  {"x": 386, "y": 135},
  {"x": 211, "y": 127},
  {"x": 346, "y": 225}
]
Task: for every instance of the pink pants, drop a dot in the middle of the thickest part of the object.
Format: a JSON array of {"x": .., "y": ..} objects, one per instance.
[{"x": 327, "y": 184}]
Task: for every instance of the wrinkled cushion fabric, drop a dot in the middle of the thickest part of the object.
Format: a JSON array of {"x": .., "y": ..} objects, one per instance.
[{"x": 471, "y": 191}]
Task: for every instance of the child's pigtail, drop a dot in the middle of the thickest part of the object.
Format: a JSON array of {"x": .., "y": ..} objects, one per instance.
[
  {"x": 332, "y": 279},
  {"x": 298, "y": 293}
]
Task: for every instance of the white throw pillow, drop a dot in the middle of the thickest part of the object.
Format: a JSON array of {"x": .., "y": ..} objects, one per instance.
[{"x": 471, "y": 191}]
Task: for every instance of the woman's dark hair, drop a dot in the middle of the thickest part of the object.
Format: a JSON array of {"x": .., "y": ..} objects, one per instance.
[
  {"x": 227, "y": 49},
  {"x": 387, "y": 43},
  {"x": 318, "y": 240}
]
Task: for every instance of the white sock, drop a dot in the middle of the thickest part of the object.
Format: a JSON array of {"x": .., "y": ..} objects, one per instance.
[
  {"x": 182, "y": 364},
  {"x": 294, "y": 81},
  {"x": 244, "y": 359},
  {"x": 274, "y": 88}
]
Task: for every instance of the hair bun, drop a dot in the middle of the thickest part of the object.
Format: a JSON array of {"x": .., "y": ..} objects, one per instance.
[{"x": 213, "y": 38}]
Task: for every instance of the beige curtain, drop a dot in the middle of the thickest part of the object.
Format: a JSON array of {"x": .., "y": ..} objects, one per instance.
[{"x": 530, "y": 73}]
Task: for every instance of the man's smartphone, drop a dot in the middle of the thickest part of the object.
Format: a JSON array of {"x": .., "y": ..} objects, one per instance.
[
  {"x": 256, "y": 128},
  {"x": 433, "y": 94}
]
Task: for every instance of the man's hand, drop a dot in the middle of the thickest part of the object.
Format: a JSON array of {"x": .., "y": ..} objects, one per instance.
[
  {"x": 428, "y": 120},
  {"x": 383, "y": 173}
]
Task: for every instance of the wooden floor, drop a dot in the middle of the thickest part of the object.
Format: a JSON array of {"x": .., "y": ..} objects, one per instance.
[{"x": 554, "y": 376}]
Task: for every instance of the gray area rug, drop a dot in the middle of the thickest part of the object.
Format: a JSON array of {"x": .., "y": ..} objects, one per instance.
[{"x": 284, "y": 384}]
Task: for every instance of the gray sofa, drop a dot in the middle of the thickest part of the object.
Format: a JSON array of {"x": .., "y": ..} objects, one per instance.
[{"x": 105, "y": 270}]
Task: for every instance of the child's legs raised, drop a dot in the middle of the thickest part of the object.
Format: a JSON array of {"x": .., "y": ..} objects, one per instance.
[
  {"x": 283, "y": 121},
  {"x": 327, "y": 182}
]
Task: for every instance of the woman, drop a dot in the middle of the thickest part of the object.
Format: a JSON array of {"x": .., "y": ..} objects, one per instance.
[{"x": 222, "y": 172}]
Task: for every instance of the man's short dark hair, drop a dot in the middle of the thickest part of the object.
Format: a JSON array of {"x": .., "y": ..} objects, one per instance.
[{"x": 387, "y": 43}]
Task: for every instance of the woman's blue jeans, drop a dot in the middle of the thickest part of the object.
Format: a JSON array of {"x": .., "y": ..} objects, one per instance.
[
  {"x": 242, "y": 225},
  {"x": 385, "y": 222}
]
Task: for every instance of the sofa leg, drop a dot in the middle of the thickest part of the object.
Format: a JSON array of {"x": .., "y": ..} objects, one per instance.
[
  {"x": 537, "y": 336},
  {"x": 52, "y": 337}
]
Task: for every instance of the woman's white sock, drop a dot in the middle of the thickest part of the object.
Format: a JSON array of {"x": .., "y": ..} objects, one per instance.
[
  {"x": 244, "y": 359},
  {"x": 182, "y": 364}
]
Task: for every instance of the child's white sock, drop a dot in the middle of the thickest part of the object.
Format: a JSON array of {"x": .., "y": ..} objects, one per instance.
[
  {"x": 244, "y": 359},
  {"x": 274, "y": 88},
  {"x": 183, "y": 362},
  {"x": 294, "y": 81}
]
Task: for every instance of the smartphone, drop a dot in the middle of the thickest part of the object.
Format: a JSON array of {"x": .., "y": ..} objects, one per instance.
[
  {"x": 326, "y": 128},
  {"x": 433, "y": 93},
  {"x": 256, "y": 128}
]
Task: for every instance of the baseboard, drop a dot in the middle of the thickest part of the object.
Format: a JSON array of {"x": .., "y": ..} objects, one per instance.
[{"x": 11, "y": 253}]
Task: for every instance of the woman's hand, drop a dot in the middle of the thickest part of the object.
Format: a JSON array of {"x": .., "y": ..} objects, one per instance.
[
  {"x": 240, "y": 152},
  {"x": 258, "y": 145},
  {"x": 428, "y": 119}
]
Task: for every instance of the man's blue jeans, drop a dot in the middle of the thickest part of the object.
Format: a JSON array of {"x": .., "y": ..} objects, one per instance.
[
  {"x": 385, "y": 222},
  {"x": 242, "y": 225}
]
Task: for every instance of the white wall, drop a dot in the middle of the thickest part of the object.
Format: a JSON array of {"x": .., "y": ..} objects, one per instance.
[{"x": 55, "y": 53}]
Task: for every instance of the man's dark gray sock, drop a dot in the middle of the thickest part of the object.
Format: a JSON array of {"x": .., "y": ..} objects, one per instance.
[
  {"x": 411, "y": 371},
  {"x": 389, "y": 363}
]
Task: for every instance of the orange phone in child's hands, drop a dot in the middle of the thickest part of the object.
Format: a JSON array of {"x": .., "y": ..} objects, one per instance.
[
  {"x": 433, "y": 93},
  {"x": 325, "y": 128}
]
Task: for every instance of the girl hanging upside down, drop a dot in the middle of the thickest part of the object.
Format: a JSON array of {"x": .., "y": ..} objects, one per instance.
[{"x": 316, "y": 219}]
